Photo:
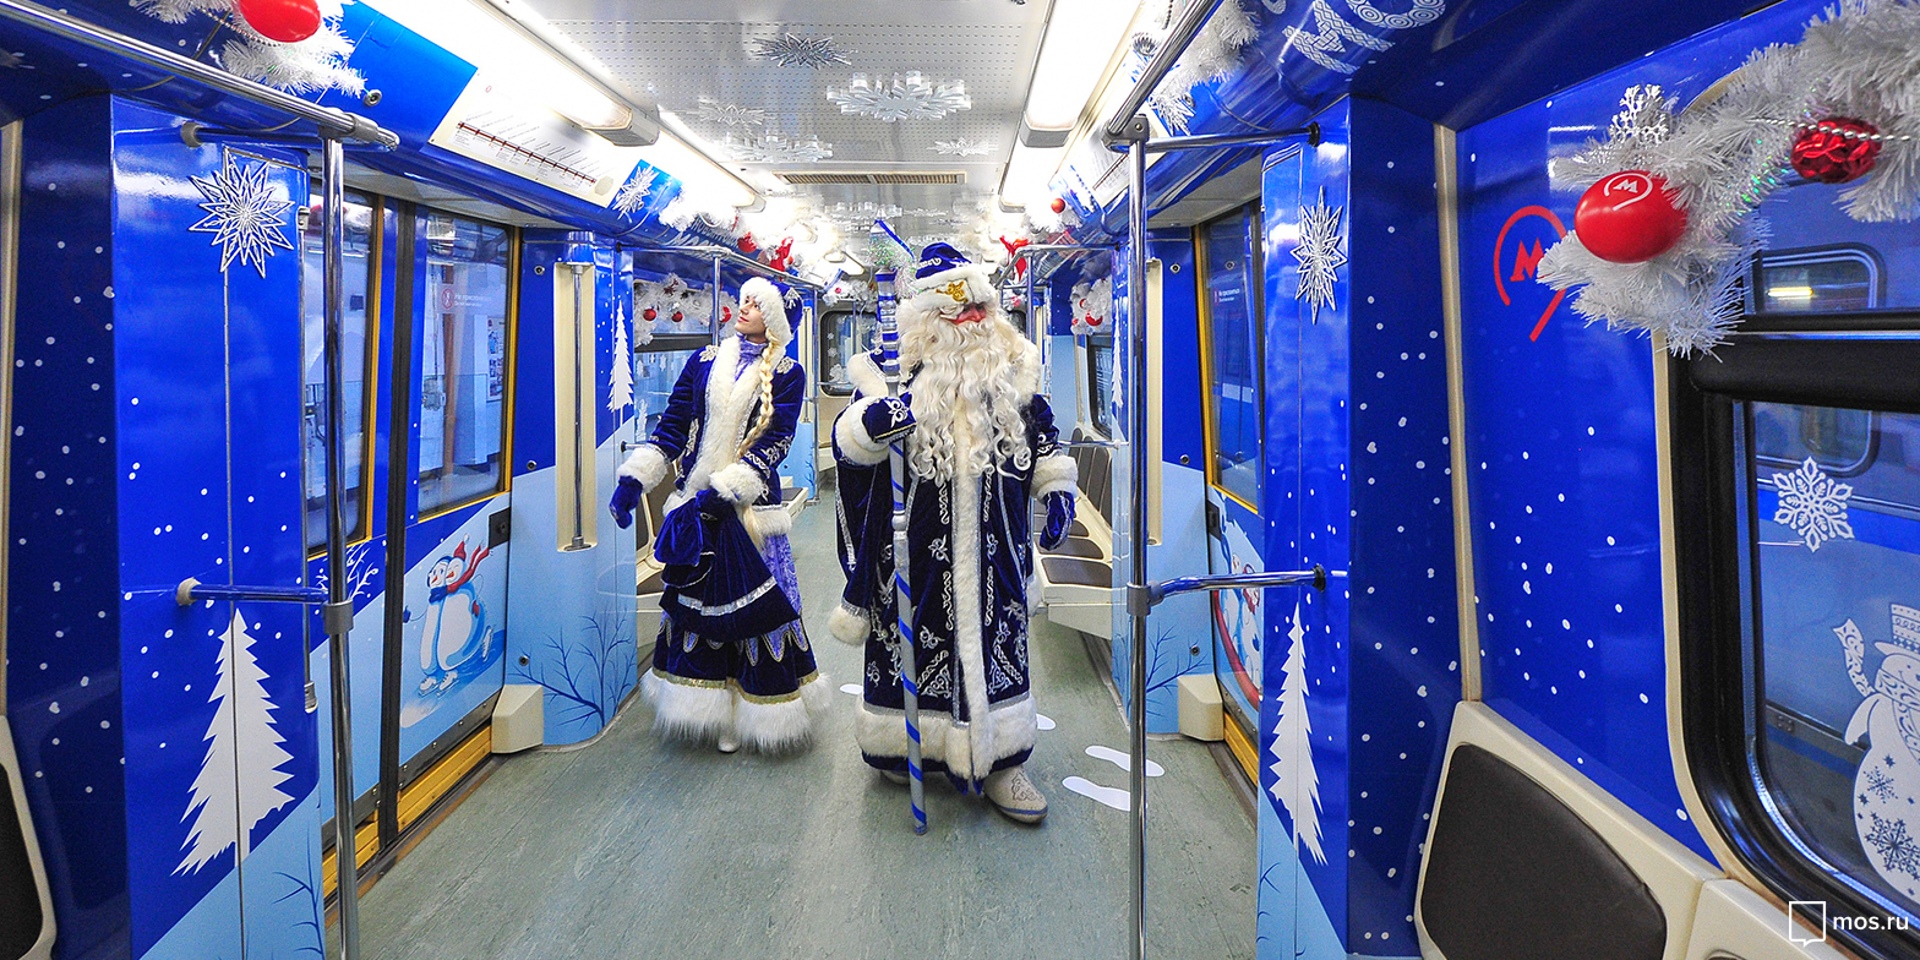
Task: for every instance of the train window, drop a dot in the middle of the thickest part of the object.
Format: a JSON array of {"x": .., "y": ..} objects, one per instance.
[
  {"x": 360, "y": 249},
  {"x": 463, "y": 356},
  {"x": 1797, "y": 496},
  {"x": 844, "y": 334},
  {"x": 1100, "y": 383},
  {"x": 1839, "y": 279},
  {"x": 656, "y": 370},
  {"x": 1230, "y": 353}
]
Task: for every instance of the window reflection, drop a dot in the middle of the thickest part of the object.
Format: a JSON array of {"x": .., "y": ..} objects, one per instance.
[
  {"x": 463, "y": 356},
  {"x": 844, "y": 334},
  {"x": 359, "y": 249},
  {"x": 1232, "y": 348},
  {"x": 1100, "y": 383}
]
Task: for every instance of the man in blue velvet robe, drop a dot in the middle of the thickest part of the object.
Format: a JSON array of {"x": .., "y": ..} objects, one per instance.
[{"x": 981, "y": 446}]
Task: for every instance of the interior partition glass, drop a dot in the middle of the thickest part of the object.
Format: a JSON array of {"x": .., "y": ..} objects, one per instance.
[
  {"x": 1231, "y": 354},
  {"x": 463, "y": 357},
  {"x": 1100, "y": 384},
  {"x": 360, "y": 283},
  {"x": 844, "y": 334}
]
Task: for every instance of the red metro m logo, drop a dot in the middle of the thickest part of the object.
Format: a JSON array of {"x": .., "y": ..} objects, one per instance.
[{"x": 1521, "y": 262}]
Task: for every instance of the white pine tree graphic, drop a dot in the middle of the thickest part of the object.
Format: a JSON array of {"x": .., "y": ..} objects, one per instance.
[
  {"x": 1295, "y": 783},
  {"x": 239, "y": 781},
  {"x": 620, "y": 394}
]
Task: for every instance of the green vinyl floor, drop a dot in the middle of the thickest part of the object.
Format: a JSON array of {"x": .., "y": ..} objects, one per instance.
[{"x": 633, "y": 848}]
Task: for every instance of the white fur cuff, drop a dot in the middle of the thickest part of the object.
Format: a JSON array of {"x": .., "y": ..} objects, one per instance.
[
  {"x": 848, "y": 624},
  {"x": 738, "y": 483},
  {"x": 647, "y": 464},
  {"x": 851, "y": 439},
  {"x": 1056, "y": 473}
]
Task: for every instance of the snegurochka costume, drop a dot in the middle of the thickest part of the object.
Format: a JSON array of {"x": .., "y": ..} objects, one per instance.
[
  {"x": 981, "y": 446},
  {"x": 733, "y": 661}
]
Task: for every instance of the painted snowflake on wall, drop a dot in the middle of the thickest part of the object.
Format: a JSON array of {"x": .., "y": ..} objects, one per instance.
[
  {"x": 1320, "y": 252},
  {"x": 773, "y": 148},
  {"x": 909, "y": 96},
  {"x": 729, "y": 114},
  {"x": 962, "y": 147},
  {"x": 790, "y": 51},
  {"x": 247, "y": 221},
  {"x": 1813, "y": 505}
]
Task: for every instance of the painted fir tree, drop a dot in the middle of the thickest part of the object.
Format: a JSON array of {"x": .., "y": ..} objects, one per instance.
[
  {"x": 1295, "y": 783},
  {"x": 240, "y": 777},
  {"x": 620, "y": 394}
]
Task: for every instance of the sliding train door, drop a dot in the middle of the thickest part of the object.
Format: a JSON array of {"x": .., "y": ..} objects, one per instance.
[{"x": 1232, "y": 358}]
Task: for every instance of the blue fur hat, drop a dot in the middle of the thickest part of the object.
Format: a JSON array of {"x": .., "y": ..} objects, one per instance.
[{"x": 945, "y": 277}]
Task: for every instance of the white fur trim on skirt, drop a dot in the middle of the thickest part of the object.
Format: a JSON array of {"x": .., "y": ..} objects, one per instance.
[
  {"x": 703, "y": 711},
  {"x": 882, "y": 732}
]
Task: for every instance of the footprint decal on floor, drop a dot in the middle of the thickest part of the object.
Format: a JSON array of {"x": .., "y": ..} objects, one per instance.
[
  {"x": 852, "y": 688},
  {"x": 1116, "y": 799},
  {"x": 1122, "y": 760},
  {"x": 1045, "y": 722}
]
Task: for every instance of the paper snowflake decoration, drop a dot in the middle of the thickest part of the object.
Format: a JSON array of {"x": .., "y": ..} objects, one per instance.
[
  {"x": 962, "y": 148},
  {"x": 909, "y": 96},
  {"x": 728, "y": 114},
  {"x": 1645, "y": 117},
  {"x": 1320, "y": 254},
  {"x": 633, "y": 194},
  {"x": 813, "y": 53},
  {"x": 1813, "y": 505},
  {"x": 246, "y": 219},
  {"x": 773, "y": 148}
]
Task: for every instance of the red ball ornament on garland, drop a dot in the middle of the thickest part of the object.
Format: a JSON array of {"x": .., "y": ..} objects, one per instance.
[
  {"x": 282, "y": 21},
  {"x": 1059, "y": 205},
  {"x": 649, "y": 313},
  {"x": 1629, "y": 217},
  {"x": 678, "y": 316},
  {"x": 748, "y": 245},
  {"x": 1838, "y": 150}
]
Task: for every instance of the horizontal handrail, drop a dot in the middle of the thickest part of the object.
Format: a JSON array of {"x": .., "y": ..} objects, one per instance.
[
  {"x": 1177, "y": 41},
  {"x": 1157, "y": 592},
  {"x": 191, "y": 590},
  {"x": 333, "y": 122},
  {"x": 722, "y": 253}
]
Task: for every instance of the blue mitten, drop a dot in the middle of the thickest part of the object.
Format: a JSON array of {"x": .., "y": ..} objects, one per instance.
[
  {"x": 626, "y": 496},
  {"x": 888, "y": 418},
  {"x": 1059, "y": 519}
]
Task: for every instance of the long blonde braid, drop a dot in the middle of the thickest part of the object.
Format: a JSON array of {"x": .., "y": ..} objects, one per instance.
[{"x": 765, "y": 364}]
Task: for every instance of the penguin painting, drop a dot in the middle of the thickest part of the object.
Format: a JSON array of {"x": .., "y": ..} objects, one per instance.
[{"x": 455, "y": 632}]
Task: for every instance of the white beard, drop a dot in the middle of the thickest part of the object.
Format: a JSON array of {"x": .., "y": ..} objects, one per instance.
[{"x": 970, "y": 394}]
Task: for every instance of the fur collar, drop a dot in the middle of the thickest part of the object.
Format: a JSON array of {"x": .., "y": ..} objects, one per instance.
[{"x": 731, "y": 396}]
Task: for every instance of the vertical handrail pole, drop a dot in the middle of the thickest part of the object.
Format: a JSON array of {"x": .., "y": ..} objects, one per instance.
[
  {"x": 337, "y": 616},
  {"x": 580, "y": 318},
  {"x": 902, "y": 599},
  {"x": 1137, "y": 603},
  {"x": 713, "y": 302}
]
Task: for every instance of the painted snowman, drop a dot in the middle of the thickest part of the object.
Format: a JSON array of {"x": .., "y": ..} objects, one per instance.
[
  {"x": 1886, "y": 810},
  {"x": 455, "y": 629}
]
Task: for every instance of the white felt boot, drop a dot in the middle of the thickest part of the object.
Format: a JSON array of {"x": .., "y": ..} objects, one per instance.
[{"x": 1013, "y": 794}]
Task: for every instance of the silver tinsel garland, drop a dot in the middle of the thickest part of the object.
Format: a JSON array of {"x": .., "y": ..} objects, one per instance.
[{"x": 1728, "y": 151}]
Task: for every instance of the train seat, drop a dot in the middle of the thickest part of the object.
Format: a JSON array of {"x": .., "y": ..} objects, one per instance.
[
  {"x": 1527, "y": 858},
  {"x": 1075, "y": 579}
]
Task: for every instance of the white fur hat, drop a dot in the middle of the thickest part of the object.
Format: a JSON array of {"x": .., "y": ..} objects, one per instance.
[{"x": 773, "y": 307}]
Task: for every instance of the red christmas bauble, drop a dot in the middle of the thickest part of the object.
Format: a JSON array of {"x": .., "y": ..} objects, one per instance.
[
  {"x": 1093, "y": 321},
  {"x": 726, "y": 314},
  {"x": 678, "y": 316},
  {"x": 748, "y": 245},
  {"x": 1831, "y": 155},
  {"x": 282, "y": 21},
  {"x": 649, "y": 313},
  {"x": 1059, "y": 205},
  {"x": 1629, "y": 217}
]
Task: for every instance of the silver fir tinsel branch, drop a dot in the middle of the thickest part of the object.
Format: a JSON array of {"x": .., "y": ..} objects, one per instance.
[
  {"x": 1726, "y": 154},
  {"x": 314, "y": 65}
]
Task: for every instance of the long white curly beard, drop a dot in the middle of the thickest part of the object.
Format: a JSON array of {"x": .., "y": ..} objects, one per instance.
[{"x": 970, "y": 394}]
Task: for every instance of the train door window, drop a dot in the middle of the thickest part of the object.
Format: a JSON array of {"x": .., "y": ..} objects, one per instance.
[
  {"x": 463, "y": 357},
  {"x": 360, "y": 250},
  {"x": 1797, "y": 467},
  {"x": 1100, "y": 383},
  {"x": 1837, "y": 279},
  {"x": 844, "y": 334},
  {"x": 1230, "y": 353}
]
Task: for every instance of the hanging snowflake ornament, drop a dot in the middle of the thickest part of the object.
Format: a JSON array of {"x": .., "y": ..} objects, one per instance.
[
  {"x": 729, "y": 115},
  {"x": 1213, "y": 55},
  {"x": 1813, "y": 505},
  {"x": 247, "y": 221},
  {"x": 1850, "y": 78},
  {"x": 773, "y": 148},
  {"x": 962, "y": 147},
  {"x": 1321, "y": 252},
  {"x": 634, "y": 193},
  {"x": 909, "y": 96},
  {"x": 813, "y": 53}
]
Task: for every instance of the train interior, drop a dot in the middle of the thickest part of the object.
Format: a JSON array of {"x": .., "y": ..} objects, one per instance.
[{"x": 1494, "y": 537}]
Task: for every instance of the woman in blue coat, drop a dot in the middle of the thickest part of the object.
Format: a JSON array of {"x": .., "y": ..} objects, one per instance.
[{"x": 726, "y": 428}]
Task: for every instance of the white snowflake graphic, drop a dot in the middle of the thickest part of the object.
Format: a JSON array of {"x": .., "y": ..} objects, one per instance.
[
  {"x": 791, "y": 51},
  {"x": 773, "y": 148},
  {"x": 633, "y": 194},
  {"x": 1896, "y": 847},
  {"x": 243, "y": 215},
  {"x": 728, "y": 114},
  {"x": 909, "y": 96},
  {"x": 962, "y": 147},
  {"x": 1646, "y": 116},
  {"x": 1813, "y": 505},
  {"x": 1881, "y": 785},
  {"x": 1320, "y": 254}
]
